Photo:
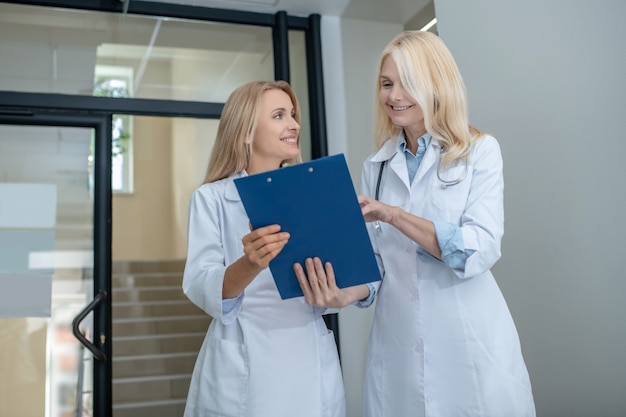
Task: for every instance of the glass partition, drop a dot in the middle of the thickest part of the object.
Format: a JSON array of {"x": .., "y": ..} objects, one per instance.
[
  {"x": 46, "y": 270},
  {"x": 47, "y": 50}
]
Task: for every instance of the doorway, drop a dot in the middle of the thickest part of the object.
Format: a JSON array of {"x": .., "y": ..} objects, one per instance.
[
  {"x": 109, "y": 263},
  {"x": 55, "y": 233}
]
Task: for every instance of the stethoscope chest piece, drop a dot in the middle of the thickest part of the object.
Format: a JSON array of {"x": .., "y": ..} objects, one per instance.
[{"x": 449, "y": 183}]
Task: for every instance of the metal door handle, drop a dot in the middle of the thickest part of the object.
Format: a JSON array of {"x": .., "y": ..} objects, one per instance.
[{"x": 97, "y": 353}]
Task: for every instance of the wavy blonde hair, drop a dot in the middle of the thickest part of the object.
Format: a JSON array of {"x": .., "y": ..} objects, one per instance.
[
  {"x": 238, "y": 123},
  {"x": 430, "y": 75}
]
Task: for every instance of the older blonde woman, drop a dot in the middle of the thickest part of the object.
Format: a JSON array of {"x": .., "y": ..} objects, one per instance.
[{"x": 443, "y": 342}]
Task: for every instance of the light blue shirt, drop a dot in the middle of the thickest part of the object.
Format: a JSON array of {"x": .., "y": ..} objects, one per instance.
[
  {"x": 228, "y": 304},
  {"x": 413, "y": 161}
]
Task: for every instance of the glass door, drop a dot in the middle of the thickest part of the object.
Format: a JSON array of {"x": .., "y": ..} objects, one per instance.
[
  {"x": 52, "y": 263},
  {"x": 156, "y": 331}
]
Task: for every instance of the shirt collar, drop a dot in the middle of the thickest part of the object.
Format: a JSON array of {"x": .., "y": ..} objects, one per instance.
[
  {"x": 391, "y": 147},
  {"x": 402, "y": 143}
]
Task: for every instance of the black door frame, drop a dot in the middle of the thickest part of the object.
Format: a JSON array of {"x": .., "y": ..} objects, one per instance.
[{"x": 102, "y": 216}]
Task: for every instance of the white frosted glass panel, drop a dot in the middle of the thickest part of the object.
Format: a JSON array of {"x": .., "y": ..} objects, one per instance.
[
  {"x": 27, "y": 205},
  {"x": 60, "y": 259},
  {"x": 18, "y": 244}
]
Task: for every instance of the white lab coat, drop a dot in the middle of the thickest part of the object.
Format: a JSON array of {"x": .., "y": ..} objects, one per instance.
[
  {"x": 268, "y": 357},
  {"x": 443, "y": 342}
]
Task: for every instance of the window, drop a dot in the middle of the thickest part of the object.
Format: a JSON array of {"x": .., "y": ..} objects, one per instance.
[{"x": 111, "y": 81}]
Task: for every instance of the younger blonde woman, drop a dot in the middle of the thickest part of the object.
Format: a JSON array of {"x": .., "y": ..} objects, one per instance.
[{"x": 262, "y": 356}]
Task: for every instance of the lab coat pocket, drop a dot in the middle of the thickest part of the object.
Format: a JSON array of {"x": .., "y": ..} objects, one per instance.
[
  {"x": 223, "y": 378},
  {"x": 449, "y": 193},
  {"x": 331, "y": 379}
]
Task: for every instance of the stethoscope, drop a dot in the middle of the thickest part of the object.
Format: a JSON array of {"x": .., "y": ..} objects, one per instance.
[{"x": 444, "y": 183}]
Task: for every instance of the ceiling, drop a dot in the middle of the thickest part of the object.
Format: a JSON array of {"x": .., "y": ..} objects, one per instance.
[{"x": 388, "y": 11}]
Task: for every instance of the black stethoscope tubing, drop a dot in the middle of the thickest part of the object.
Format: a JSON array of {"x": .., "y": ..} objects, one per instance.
[{"x": 380, "y": 176}]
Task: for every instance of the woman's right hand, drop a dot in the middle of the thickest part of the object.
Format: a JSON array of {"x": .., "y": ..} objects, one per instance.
[
  {"x": 374, "y": 210},
  {"x": 262, "y": 245}
]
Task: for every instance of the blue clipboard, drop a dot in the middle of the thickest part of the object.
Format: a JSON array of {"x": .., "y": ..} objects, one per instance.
[{"x": 316, "y": 203}]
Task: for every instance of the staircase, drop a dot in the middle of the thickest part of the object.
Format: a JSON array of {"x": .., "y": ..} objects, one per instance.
[{"x": 157, "y": 333}]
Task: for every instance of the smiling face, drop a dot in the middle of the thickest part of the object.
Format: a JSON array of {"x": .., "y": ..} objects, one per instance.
[
  {"x": 398, "y": 103},
  {"x": 275, "y": 138}
]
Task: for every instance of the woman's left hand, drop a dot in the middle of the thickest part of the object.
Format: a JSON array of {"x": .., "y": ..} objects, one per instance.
[{"x": 318, "y": 284}]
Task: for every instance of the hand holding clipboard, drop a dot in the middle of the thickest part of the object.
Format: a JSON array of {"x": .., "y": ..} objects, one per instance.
[{"x": 316, "y": 203}]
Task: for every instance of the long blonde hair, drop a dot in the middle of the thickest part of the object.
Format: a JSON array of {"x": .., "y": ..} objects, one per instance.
[
  {"x": 238, "y": 122},
  {"x": 430, "y": 75}
]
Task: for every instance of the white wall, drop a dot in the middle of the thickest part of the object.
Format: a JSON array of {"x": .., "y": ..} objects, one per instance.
[
  {"x": 547, "y": 78},
  {"x": 351, "y": 49}
]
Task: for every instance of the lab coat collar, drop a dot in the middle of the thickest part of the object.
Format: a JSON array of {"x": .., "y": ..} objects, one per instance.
[
  {"x": 230, "y": 190},
  {"x": 388, "y": 150}
]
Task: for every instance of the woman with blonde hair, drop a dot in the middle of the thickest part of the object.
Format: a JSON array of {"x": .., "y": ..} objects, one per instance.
[
  {"x": 443, "y": 342},
  {"x": 262, "y": 356}
]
